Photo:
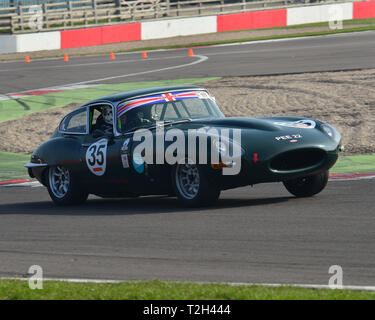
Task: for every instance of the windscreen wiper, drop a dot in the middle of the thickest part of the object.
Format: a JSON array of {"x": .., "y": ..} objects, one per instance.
[{"x": 177, "y": 121}]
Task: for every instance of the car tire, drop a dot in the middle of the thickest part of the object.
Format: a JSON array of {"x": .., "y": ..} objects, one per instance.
[
  {"x": 193, "y": 185},
  {"x": 307, "y": 186},
  {"x": 63, "y": 187}
]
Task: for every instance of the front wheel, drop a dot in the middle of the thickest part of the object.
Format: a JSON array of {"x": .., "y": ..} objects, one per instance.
[
  {"x": 193, "y": 185},
  {"x": 63, "y": 187},
  {"x": 307, "y": 186}
]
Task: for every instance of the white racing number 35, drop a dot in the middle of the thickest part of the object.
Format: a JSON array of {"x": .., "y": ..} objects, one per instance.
[{"x": 96, "y": 156}]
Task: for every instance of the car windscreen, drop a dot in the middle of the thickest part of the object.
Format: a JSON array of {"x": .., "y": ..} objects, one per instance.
[{"x": 175, "y": 106}]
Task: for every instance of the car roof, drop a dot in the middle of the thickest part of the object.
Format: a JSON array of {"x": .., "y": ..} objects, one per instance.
[{"x": 115, "y": 98}]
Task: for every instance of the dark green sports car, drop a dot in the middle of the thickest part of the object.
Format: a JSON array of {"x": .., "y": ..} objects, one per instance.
[{"x": 175, "y": 141}]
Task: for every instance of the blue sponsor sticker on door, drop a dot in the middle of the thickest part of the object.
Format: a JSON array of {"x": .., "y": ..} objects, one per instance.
[{"x": 138, "y": 163}]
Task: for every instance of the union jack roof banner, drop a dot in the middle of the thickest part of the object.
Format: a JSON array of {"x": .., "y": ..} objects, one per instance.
[{"x": 158, "y": 98}]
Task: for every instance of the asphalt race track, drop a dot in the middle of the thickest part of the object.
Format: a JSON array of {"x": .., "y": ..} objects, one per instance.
[
  {"x": 336, "y": 52},
  {"x": 259, "y": 234}
]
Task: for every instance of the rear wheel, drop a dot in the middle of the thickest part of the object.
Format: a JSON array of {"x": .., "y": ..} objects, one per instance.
[
  {"x": 307, "y": 186},
  {"x": 63, "y": 187},
  {"x": 193, "y": 185}
]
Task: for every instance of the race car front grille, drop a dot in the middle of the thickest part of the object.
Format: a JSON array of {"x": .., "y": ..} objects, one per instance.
[{"x": 298, "y": 159}]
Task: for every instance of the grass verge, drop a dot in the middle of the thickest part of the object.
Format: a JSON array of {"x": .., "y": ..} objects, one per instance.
[
  {"x": 12, "y": 165},
  {"x": 16, "y": 108},
  {"x": 165, "y": 290},
  {"x": 359, "y": 163}
]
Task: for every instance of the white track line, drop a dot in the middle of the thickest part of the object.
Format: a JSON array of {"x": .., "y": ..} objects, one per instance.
[
  {"x": 235, "y": 284},
  {"x": 200, "y": 59},
  {"x": 26, "y": 94},
  {"x": 32, "y": 184},
  {"x": 67, "y": 65},
  {"x": 291, "y": 39},
  {"x": 307, "y": 286}
]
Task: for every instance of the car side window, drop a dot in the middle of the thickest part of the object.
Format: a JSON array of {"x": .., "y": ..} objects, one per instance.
[
  {"x": 94, "y": 115},
  {"x": 75, "y": 122}
]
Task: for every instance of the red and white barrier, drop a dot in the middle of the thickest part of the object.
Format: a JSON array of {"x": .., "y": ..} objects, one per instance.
[
  {"x": 321, "y": 13},
  {"x": 252, "y": 20},
  {"x": 178, "y": 27},
  {"x": 30, "y": 42},
  {"x": 185, "y": 26},
  {"x": 100, "y": 35},
  {"x": 364, "y": 9}
]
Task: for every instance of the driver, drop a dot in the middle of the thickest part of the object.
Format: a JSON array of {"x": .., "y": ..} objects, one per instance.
[
  {"x": 133, "y": 119},
  {"x": 105, "y": 120}
]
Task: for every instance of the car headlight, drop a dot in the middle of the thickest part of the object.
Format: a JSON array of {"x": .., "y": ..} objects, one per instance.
[
  {"x": 331, "y": 132},
  {"x": 328, "y": 130}
]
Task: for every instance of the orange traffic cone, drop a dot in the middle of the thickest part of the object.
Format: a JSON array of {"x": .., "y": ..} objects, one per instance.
[
  {"x": 191, "y": 53},
  {"x": 27, "y": 59},
  {"x": 112, "y": 56},
  {"x": 144, "y": 55},
  {"x": 66, "y": 58}
]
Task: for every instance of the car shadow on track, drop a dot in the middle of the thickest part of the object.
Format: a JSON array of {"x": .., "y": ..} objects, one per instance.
[{"x": 142, "y": 205}]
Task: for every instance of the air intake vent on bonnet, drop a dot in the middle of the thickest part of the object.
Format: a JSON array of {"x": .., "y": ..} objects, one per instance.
[{"x": 298, "y": 159}]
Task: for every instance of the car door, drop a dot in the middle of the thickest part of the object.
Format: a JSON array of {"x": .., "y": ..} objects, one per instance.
[
  {"x": 73, "y": 127},
  {"x": 106, "y": 167}
]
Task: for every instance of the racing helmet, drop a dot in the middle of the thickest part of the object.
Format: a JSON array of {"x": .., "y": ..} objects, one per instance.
[{"x": 107, "y": 114}]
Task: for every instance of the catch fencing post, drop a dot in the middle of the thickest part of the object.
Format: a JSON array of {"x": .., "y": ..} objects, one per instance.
[
  {"x": 45, "y": 17},
  {"x": 70, "y": 13}
]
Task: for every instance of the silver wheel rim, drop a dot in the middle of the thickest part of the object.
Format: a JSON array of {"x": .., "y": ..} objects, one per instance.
[
  {"x": 59, "y": 180},
  {"x": 187, "y": 180}
]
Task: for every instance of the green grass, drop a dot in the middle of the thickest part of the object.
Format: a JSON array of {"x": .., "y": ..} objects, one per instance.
[
  {"x": 12, "y": 166},
  {"x": 152, "y": 290},
  {"x": 359, "y": 21},
  {"x": 13, "y": 109},
  {"x": 360, "y": 163}
]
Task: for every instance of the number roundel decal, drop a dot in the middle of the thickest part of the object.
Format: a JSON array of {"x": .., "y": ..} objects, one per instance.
[{"x": 96, "y": 156}]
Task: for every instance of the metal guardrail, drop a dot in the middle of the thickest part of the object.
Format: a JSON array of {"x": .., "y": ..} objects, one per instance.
[{"x": 68, "y": 14}]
